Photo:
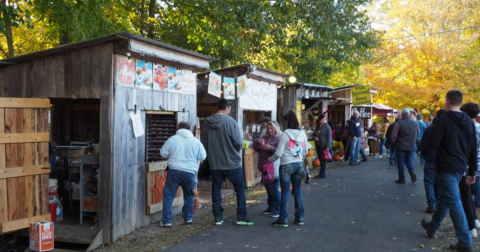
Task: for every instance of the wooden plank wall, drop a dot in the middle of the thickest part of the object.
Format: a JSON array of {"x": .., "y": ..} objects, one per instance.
[
  {"x": 82, "y": 73},
  {"x": 129, "y": 161}
]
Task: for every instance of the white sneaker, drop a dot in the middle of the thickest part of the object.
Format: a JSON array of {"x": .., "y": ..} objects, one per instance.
[
  {"x": 477, "y": 223},
  {"x": 473, "y": 232}
]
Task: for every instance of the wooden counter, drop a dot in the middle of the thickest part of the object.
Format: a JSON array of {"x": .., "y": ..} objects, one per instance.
[{"x": 250, "y": 160}]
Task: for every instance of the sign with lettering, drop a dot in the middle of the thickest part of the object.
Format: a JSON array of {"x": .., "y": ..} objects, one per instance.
[
  {"x": 361, "y": 95},
  {"x": 259, "y": 96},
  {"x": 365, "y": 112}
]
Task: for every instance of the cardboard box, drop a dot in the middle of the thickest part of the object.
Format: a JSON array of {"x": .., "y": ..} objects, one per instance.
[
  {"x": 41, "y": 236},
  {"x": 90, "y": 203}
]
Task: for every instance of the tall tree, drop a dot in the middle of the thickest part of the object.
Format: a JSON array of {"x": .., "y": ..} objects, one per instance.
[
  {"x": 12, "y": 14},
  {"x": 429, "y": 47}
]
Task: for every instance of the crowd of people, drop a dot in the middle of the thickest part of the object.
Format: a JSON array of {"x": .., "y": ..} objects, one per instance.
[{"x": 448, "y": 147}]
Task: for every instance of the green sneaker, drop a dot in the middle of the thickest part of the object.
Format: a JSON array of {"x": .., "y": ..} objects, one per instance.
[
  {"x": 245, "y": 222},
  {"x": 218, "y": 222},
  {"x": 279, "y": 224},
  {"x": 299, "y": 222}
]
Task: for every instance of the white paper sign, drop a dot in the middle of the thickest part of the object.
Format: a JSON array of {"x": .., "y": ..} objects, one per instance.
[
  {"x": 137, "y": 124},
  {"x": 189, "y": 82},
  {"x": 259, "y": 96}
]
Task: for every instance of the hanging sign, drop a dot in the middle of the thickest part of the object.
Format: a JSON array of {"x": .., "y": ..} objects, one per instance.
[
  {"x": 174, "y": 80},
  {"x": 259, "y": 96},
  {"x": 189, "y": 82},
  {"x": 160, "y": 78},
  {"x": 144, "y": 75},
  {"x": 229, "y": 88},
  {"x": 361, "y": 95},
  {"x": 241, "y": 85},
  {"x": 124, "y": 71},
  {"x": 138, "y": 130},
  {"x": 214, "y": 84},
  {"x": 364, "y": 112}
]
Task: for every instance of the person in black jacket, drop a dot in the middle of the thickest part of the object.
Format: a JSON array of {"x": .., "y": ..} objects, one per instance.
[
  {"x": 392, "y": 158},
  {"x": 456, "y": 145}
]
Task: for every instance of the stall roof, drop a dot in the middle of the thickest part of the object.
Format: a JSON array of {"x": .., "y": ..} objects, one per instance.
[
  {"x": 246, "y": 66},
  {"x": 112, "y": 37}
]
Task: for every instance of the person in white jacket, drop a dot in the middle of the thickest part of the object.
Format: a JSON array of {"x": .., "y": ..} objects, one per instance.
[
  {"x": 291, "y": 149},
  {"x": 184, "y": 152}
]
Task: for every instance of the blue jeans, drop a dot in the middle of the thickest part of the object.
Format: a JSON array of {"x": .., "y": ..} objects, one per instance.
[
  {"x": 273, "y": 196},
  {"x": 323, "y": 168},
  {"x": 362, "y": 153},
  {"x": 417, "y": 149},
  {"x": 174, "y": 179},
  {"x": 382, "y": 145},
  {"x": 449, "y": 201},
  {"x": 404, "y": 158},
  {"x": 237, "y": 178},
  {"x": 393, "y": 156},
  {"x": 291, "y": 173},
  {"x": 431, "y": 192},
  {"x": 354, "y": 150}
]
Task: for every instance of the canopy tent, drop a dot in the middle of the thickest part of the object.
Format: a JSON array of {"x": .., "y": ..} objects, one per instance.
[{"x": 383, "y": 110}]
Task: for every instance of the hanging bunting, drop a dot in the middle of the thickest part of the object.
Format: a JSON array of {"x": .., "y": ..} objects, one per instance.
[
  {"x": 214, "y": 84},
  {"x": 229, "y": 88}
]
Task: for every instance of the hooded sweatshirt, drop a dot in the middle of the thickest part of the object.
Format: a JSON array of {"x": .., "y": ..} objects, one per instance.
[
  {"x": 454, "y": 137},
  {"x": 183, "y": 151},
  {"x": 291, "y": 148},
  {"x": 223, "y": 142}
]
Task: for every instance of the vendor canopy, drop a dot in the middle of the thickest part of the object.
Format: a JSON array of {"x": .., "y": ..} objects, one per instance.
[{"x": 383, "y": 110}]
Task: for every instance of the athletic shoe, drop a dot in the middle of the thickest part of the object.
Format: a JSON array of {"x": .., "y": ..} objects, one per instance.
[
  {"x": 278, "y": 223},
  {"x": 274, "y": 215},
  {"x": 165, "y": 225},
  {"x": 218, "y": 222},
  {"x": 413, "y": 176},
  {"x": 425, "y": 226},
  {"x": 267, "y": 212},
  {"x": 430, "y": 210},
  {"x": 299, "y": 222},
  {"x": 245, "y": 222},
  {"x": 188, "y": 222},
  {"x": 473, "y": 232},
  {"x": 477, "y": 223},
  {"x": 400, "y": 181}
]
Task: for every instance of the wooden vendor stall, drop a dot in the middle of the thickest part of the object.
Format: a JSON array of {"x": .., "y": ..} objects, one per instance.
[
  {"x": 120, "y": 96},
  {"x": 253, "y": 91}
]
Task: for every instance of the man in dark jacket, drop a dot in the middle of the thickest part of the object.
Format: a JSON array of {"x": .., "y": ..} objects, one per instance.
[
  {"x": 456, "y": 146},
  {"x": 354, "y": 133},
  {"x": 223, "y": 142},
  {"x": 404, "y": 137}
]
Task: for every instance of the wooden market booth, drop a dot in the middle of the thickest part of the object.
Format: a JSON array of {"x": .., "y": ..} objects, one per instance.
[
  {"x": 253, "y": 92},
  {"x": 95, "y": 97}
]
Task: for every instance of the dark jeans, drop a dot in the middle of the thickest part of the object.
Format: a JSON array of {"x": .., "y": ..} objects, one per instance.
[
  {"x": 429, "y": 183},
  {"x": 467, "y": 202},
  {"x": 404, "y": 158},
  {"x": 237, "y": 178},
  {"x": 291, "y": 173},
  {"x": 273, "y": 196},
  {"x": 186, "y": 180}
]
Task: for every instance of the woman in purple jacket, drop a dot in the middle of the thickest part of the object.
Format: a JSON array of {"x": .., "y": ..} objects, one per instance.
[{"x": 266, "y": 146}]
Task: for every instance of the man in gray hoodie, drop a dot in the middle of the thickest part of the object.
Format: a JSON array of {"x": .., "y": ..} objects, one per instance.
[{"x": 222, "y": 139}]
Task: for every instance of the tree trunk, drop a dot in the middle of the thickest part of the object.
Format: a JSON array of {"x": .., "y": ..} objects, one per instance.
[
  {"x": 151, "y": 13},
  {"x": 8, "y": 30}
]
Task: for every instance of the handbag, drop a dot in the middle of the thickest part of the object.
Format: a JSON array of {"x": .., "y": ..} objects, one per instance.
[
  {"x": 268, "y": 174},
  {"x": 326, "y": 155}
]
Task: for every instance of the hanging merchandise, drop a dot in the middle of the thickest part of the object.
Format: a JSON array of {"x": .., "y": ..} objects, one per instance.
[
  {"x": 229, "y": 88},
  {"x": 214, "y": 84}
]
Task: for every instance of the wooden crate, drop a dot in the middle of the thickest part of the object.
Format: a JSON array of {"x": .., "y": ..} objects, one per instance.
[
  {"x": 250, "y": 159},
  {"x": 156, "y": 176},
  {"x": 24, "y": 166}
]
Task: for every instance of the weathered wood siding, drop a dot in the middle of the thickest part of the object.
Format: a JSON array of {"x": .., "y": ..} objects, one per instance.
[
  {"x": 128, "y": 193},
  {"x": 82, "y": 73}
]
